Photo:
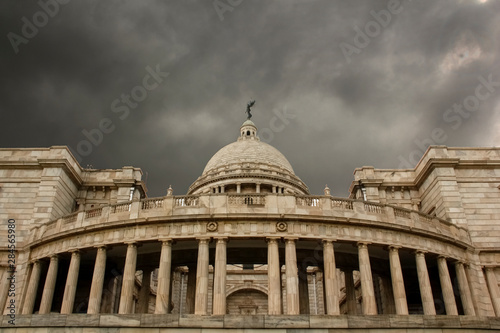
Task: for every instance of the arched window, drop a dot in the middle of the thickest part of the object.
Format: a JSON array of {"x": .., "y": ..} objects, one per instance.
[{"x": 248, "y": 133}]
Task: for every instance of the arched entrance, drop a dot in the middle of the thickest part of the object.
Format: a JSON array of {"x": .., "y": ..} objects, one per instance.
[{"x": 247, "y": 302}]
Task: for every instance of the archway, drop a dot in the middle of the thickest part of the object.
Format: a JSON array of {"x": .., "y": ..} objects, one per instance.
[{"x": 247, "y": 302}]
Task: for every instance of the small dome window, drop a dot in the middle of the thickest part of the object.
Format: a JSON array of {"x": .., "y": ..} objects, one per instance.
[{"x": 248, "y": 133}]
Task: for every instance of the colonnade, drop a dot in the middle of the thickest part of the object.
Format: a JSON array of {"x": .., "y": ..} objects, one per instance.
[{"x": 275, "y": 307}]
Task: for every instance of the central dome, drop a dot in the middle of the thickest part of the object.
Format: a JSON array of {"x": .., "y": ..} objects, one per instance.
[
  {"x": 248, "y": 165},
  {"x": 248, "y": 151}
]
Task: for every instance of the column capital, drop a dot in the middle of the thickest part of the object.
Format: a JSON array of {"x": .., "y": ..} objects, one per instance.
[
  {"x": 203, "y": 240},
  {"x": 273, "y": 240},
  {"x": 420, "y": 252},
  {"x": 442, "y": 257},
  {"x": 130, "y": 244},
  {"x": 489, "y": 268},
  {"x": 54, "y": 257},
  {"x": 362, "y": 245},
  {"x": 393, "y": 248},
  {"x": 222, "y": 239},
  {"x": 102, "y": 247},
  {"x": 327, "y": 242},
  {"x": 166, "y": 241},
  {"x": 291, "y": 239}
]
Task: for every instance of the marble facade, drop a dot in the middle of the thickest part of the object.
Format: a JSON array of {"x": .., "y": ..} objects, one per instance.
[{"x": 250, "y": 247}]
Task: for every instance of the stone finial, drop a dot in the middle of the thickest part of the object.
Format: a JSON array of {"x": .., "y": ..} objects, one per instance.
[
  {"x": 327, "y": 190},
  {"x": 170, "y": 191}
]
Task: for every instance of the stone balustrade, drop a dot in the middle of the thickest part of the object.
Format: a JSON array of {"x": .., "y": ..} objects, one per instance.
[{"x": 319, "y": 208}]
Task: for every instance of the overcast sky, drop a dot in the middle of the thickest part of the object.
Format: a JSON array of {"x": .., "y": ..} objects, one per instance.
[{"x": 337, "y": 84}]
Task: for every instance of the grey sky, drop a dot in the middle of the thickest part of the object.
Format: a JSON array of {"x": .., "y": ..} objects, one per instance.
[{"x": 372, "y": 100}]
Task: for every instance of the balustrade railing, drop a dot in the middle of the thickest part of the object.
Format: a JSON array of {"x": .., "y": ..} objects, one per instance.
[
  {"x": 187, "y": 201},
  {"x": 398, "y": 212},
  {"x": 342, "y": 203},
  {"x": 247, "y": 199},
  {"x": 121, "y": 207},
  {"x": 163, "y": 205},
  {"x": 93, "y": 213},
  {"x": 152, "y": 203},
  {"x": 374, "y": 208},
  {"x": 308, "y": 201}
]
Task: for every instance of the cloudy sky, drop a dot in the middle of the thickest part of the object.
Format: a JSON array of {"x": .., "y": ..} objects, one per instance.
[{"x": 337, "y": 84}]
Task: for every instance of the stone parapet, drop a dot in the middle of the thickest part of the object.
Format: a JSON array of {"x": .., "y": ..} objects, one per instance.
[{"x": 322, "y": 209}]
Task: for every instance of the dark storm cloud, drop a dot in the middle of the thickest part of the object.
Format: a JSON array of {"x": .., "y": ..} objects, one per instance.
[{"x": 373, "y": 110}]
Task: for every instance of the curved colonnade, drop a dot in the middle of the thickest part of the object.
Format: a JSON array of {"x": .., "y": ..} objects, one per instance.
[{"x": 404, "y": 262}]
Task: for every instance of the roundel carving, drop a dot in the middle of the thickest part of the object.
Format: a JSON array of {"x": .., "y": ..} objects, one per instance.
[
  {"x": 281, "y": 226},
  {"x": 212, "y": 226}
]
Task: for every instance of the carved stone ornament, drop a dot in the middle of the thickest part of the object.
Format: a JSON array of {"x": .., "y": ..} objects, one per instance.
[
  {"x": 212, "y": 226},
  {"x": 281, "y": 226}
]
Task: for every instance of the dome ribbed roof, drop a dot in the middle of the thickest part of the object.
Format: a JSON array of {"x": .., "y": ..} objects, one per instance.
[
  {"x": 252, "y": 151},
  {"x": 249, "y": 162}
]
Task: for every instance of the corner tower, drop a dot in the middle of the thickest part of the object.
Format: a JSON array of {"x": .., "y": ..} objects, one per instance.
[{"x": 248, "y": 166}]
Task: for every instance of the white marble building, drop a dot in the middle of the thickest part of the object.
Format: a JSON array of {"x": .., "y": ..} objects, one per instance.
[{"x": 248, "y": 247}]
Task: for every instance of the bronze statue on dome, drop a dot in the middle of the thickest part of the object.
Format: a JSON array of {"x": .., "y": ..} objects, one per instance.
[{"x": 249, "y": 105}]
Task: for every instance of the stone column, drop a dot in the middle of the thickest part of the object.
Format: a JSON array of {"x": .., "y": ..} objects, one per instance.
[
  {"x": 329, "y": 276},
  {"x": 50, "y": 284},
  {"x": 97, "y": 282},
  {"x": 425, "y": 285},
  {"x": 447, "y": 287},
  {"x": 143, "y": 303},
  {"x": 350, "y": 293},
  {"x": 492, "y": 281},
  {"x": 71, "y": 284},
  {"x": 219, "y": 302},
  {"x": 163, "y": 291},
  {"x": 128, "y": 282},
  {"x": 463, "y": 286},
  {"x": 4, "y": 288},
  {"x": 238, "y": 188},
  {"x": 292, "y": 278},
  {"x": 257, "y": 188},
  {"x": 29, "y": 302},
  {"x": 201, "y": 298},
  {"x": 398, "y": 286},
  {"x": 367, "y": 290},
  {"x": 273, "y": 276}
]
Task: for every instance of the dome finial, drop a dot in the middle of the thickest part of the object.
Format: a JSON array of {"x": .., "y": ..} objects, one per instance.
[{"x": 249, "y": 105}]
